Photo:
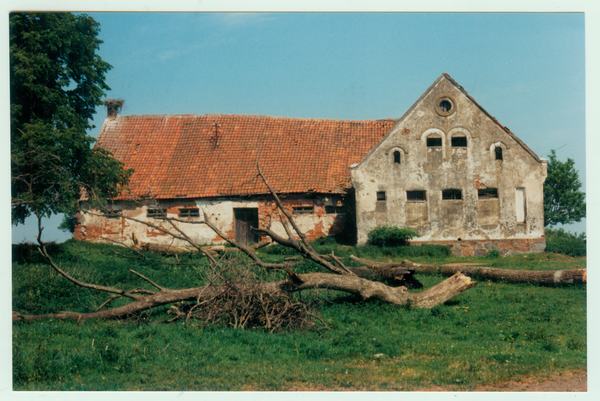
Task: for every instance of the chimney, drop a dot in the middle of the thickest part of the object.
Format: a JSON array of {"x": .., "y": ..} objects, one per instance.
[{"x": 113, "y": 107}]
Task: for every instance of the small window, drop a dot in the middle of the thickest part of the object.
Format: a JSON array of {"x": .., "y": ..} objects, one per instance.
[
  {"x": 415, "y": 195},
  {"x": 303, "y": 210},
  {"x": 434, "y": 142},
  {"x": 459, "y": 141},
  {"x": 487, "y": 193},
  {"x": 193, "y": 212},
  {"x": 397, "y": 157},
  {"x": 451, "y": 194},
  {"x": 381, "y": 195},
  {"x": 498, "y": 151},
  {"x": 334, "y": 209},
  {"x": 154, "y": 213}
]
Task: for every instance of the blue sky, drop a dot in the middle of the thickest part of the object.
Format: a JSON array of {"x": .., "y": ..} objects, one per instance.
[{"x": 527, "y": 70}]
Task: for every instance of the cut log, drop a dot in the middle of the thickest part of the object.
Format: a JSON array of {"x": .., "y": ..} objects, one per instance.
[{"x": 548, "y": 277}]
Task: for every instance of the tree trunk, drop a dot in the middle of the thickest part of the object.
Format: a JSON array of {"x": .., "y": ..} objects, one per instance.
[{"x": 549, "y": 277}]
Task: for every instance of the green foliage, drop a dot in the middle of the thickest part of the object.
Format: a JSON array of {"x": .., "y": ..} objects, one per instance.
[
  {"x": 493, "y": 254},
  {"x": 560, "y": 241},
  {"x": 391, "y": 236},
  {"x": 554, "y": 233},
  {"x": 491, "y": 333},
  {"x": 57, "y": 81},
  {"x": 567, "y": 246},
  {"x": 564, "y": 203}
]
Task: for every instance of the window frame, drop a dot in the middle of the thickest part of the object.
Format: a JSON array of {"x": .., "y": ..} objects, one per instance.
[
  {"x": 451, "y": 194},
  {"x": 381, "y": 196},
  {"x": 456, "y": 138},
  {"x": 487, "y": 193},
  {"x": 430, "y": 140},
  {"x": 299, "y": 210},
  {"x": 188, "y": 213},
  {"x": 410, "y": 198},
  {"x": 332, "y": 209},
  {"x": 155, "y": 213}
]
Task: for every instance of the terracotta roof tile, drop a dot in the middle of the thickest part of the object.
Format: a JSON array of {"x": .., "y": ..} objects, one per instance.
[{"x": 202, "y": 156}]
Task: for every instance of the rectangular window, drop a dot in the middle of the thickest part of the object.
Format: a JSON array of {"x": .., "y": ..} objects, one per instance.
[
  {"x": 451, "y": 194},
  {"x": 520, "y": 205},
  {"x": 334, "y": 209},
  {"x": 487, "y": 193},
  {"x": 303, "y": 210},
  {"x": 193, "y": 212},
  {"x": 459, "y": 141},
  {"x": 154, "y": 213},
  {"x": 415, "y": 195},
  {"x": 381, "y": 195},
  {"x": 434, "y": 142}
]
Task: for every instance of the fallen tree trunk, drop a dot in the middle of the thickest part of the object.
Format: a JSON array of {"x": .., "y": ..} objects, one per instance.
[
  {"x": 549, "y": 277},
  {"x": 363, "y": 288}
]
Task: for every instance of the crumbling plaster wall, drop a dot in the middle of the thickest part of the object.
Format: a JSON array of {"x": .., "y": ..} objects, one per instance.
[
  {"x": 434, "y": 169},
  {"x": 97, "y": 228}
]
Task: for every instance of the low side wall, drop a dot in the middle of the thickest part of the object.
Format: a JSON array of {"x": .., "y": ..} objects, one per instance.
[{"x": 506, "y": 247}]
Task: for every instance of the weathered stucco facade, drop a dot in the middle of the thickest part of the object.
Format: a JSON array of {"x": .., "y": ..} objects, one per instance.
[
  {"x": 317, "y": 216},
  {"x": 447, "y": 169},
  {"x": 452, "y": 173}
]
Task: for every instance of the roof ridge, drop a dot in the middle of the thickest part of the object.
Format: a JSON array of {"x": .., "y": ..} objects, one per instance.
[{"x": 257, "y": 116}]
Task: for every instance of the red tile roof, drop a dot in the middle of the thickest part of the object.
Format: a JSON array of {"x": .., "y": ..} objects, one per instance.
[{"x": 202, "y": 156}]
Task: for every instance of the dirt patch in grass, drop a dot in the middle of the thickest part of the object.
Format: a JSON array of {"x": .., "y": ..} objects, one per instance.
[
  {"x": 575, "y": 381},
  {"x": 563, "y": 381}
]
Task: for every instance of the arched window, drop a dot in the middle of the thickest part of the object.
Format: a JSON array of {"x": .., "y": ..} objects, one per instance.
[
  {"x": 397, "y": 156},
  {"x": 498, "y": 151}
]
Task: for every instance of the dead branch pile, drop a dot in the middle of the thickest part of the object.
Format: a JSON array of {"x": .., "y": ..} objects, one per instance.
[{"x": 245, "y": 302}]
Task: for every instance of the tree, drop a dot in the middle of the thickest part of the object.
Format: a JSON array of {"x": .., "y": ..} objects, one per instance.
[
  {"x": 564, "y": 203},
  {"x": 57, "y": 81}
]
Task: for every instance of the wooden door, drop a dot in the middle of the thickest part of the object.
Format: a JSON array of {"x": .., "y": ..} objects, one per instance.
[{"x": 244, "y": 220}]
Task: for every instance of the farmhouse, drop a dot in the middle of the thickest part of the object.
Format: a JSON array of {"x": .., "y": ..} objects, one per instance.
[{"x": 446, "y": 169}]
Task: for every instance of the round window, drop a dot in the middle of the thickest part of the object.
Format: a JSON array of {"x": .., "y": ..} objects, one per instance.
[{"x": 444, "y": 106}]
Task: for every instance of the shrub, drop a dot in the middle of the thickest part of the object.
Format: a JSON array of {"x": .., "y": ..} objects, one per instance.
[
  {"x": 566, "y": 246},
  {"x": 494, "y": 253},
  {"x": 391, "y": 236},
  {"x": 560, "y": 241},
  {"x": 436, "y": 251}
]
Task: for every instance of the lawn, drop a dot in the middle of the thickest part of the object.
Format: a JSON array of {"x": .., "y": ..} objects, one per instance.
[{"x": 491, "y": 333}]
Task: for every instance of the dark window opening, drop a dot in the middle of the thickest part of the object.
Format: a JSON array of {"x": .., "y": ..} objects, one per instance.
[
  {"x": 381, "y": 195},
  {"x": 459, "y": 141},
  {"x": 415, "y": 195},
  {"x": 498, "y": 151},
  {"x": 155, "y": 213},
  {"x": 452, "y": 194},
  {"x": 445, "y": 106},
  {"x": 487, "y": 193},
  {"x": 194, "y": 212},
  {"x": 303, "y": 210},
  {"x": 396, "y": 156},
  {"x": 435, "y": 141},
  {"x": 334, "y": 209}
]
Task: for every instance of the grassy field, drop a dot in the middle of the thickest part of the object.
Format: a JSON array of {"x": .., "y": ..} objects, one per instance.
[{"x": 492, "y": 333}]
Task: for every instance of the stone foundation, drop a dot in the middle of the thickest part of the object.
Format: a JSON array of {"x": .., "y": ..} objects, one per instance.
[{"x": 506, "y": 247}]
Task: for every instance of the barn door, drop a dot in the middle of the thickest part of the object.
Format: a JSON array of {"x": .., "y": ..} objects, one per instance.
[{"x": 244, "y": 219}]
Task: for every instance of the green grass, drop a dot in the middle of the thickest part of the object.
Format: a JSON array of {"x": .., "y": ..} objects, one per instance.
[{"x": 491, "y": 333}]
